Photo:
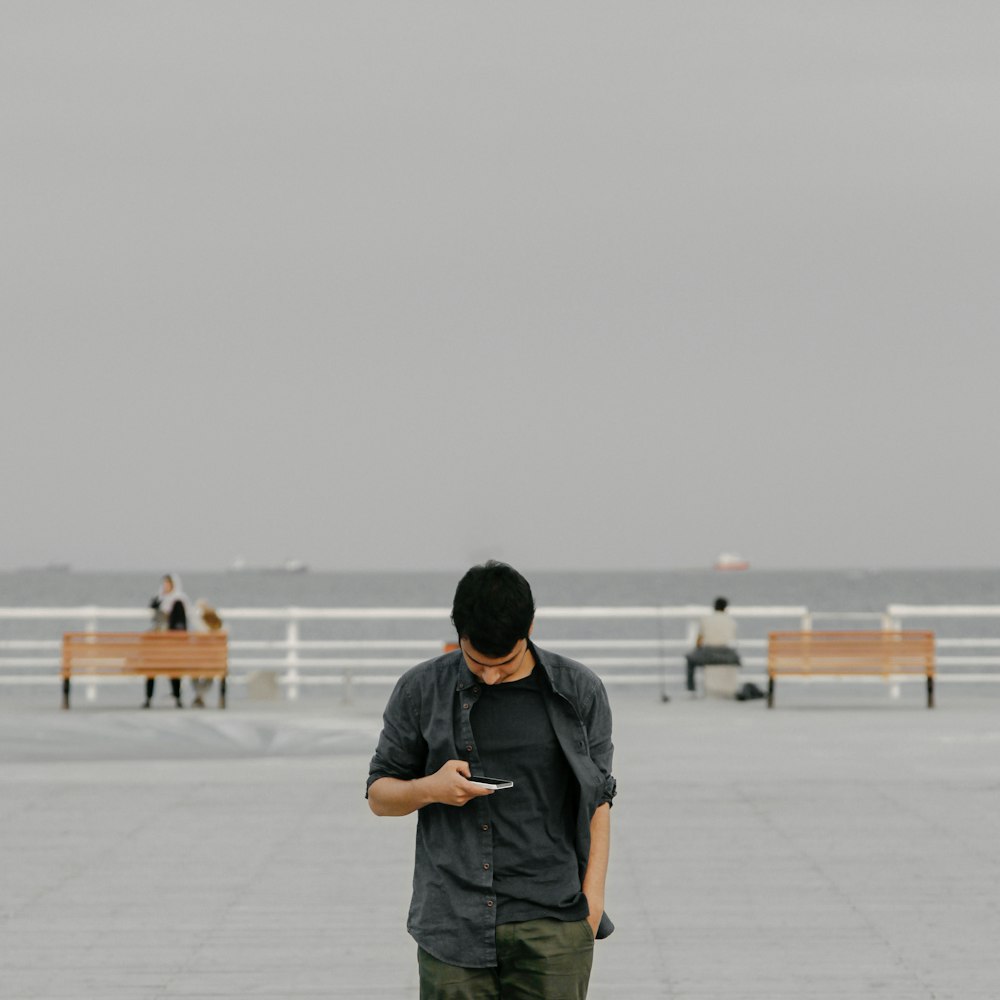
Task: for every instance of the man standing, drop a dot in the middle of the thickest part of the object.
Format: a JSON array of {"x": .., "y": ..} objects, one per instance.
[{"x": 508, "y": 887}]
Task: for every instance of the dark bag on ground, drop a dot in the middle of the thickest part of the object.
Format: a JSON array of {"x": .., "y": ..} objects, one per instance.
[{"x": 749, "y": 692}]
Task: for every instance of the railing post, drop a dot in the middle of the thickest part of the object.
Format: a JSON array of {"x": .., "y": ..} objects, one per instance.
[
  {"x": 692, "y": 633},
  {"x": 346, "y": 687},
  {"x": 292, "y": 657},
  {"x": 807, "y": 622},
  {"x": 664, "y": 696},
  {"x": 890, "y": 625}
]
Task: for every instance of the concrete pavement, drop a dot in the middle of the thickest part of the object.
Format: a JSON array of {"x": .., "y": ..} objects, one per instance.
[{"x": 843, "y": 845}]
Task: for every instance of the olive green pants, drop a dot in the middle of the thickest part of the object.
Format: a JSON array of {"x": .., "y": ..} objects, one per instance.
[{"x": 536, "y": 960}]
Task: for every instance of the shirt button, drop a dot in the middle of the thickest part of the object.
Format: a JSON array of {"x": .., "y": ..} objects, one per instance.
[
  {"x": 486, "y": 867},
  {"x": 466, "y": 705},
  {"x": 489, "y": 902},
  {"x": 486, "y": 826},
  {"x": 475, "y": 690},
  {"x": 468, "y": 748}
]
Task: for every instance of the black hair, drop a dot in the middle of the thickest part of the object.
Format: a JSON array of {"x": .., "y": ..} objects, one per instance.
[
  {"x": 721, "y": 604},
  {"x": 493, "y": 608}
]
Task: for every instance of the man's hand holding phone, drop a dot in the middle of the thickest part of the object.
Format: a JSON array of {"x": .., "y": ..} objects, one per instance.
[{"x": 450, "y": 784}]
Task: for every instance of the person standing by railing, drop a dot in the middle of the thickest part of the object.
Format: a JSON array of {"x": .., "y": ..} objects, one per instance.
[{"x": 169, "y": 614}]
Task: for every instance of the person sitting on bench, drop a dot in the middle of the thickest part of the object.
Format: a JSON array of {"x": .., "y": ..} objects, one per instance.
[{"x": 716, "y": 641}]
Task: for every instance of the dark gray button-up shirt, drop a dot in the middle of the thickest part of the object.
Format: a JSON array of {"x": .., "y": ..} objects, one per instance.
[{"x": 426, "y": 723}]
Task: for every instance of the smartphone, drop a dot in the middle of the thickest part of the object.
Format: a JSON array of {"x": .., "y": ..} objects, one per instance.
[{"x": 484, "y": 782}]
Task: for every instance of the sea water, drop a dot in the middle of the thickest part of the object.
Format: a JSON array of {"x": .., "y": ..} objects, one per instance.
[{"x": 831, "y": 590}]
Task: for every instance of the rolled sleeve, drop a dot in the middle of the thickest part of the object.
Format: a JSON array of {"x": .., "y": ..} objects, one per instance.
[
  {"x": 402, "y": 750},
  {"x": 602, "y": 750}
]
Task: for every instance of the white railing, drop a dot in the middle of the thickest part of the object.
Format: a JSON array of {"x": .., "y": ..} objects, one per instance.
[{"x": 633, "y": 659}]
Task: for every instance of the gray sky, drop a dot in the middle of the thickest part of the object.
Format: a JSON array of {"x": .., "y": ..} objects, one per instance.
[{"x": 397, "y": 285}]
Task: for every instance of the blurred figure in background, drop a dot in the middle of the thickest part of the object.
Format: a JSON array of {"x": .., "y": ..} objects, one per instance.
[
  {"x": 169, "y": 614},
  {"x": 716, "y": 641},
  {"x": 206, "y": 620}
]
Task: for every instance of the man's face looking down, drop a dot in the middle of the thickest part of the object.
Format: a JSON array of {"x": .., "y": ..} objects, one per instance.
[{"x": 498, "y": 669}]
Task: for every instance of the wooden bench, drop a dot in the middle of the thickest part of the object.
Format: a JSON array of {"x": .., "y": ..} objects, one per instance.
[
  {"x": 846, "y": 654},
  {"x": 146, "y": 654}
]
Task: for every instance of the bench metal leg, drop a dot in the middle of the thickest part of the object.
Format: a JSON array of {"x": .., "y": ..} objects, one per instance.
[
  {"x": 770, "y": 692},
  {"x": 65, "y": 692},
  {"x": 222, "y": 692},
  {"x": 930, "y": 691}
]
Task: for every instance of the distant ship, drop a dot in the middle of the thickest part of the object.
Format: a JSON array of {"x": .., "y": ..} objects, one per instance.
[
  {"x": 288, "y": 566},
  {"x": 730, "y": 560}
]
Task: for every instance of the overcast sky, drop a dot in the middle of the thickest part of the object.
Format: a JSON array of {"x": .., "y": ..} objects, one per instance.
[{"x": 404, "y": 285}]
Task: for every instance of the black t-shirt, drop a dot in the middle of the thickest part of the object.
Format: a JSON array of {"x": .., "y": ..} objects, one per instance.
[{"x": 535, "y": 869}]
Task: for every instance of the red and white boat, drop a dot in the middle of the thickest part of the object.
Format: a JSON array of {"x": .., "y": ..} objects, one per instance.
[{"x": 730, "y": 560}]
